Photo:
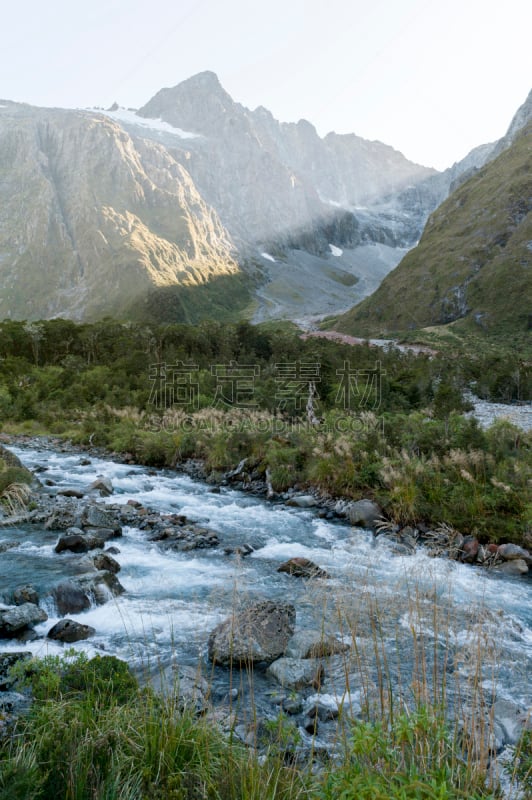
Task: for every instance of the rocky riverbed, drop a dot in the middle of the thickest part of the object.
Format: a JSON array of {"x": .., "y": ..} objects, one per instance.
[{"x": 206, "y": 585}]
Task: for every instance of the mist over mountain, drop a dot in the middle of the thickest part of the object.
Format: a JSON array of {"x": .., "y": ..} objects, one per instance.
[
  {"x": 102, "y": 211},
  {"x": 473, "y": 265}
]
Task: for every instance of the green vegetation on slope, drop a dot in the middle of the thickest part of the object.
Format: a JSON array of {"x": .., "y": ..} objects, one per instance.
[
  {"x": 473, "y": 263},
  {"x": 406, "y": 444}
]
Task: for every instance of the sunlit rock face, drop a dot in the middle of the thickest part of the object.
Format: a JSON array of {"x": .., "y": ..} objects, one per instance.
[{"x": 90, "y": 219}]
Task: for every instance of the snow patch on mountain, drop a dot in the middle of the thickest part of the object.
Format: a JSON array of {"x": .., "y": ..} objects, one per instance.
[
  {"x": 129, "y": 117},
  {"x": 336, "y": 251}
]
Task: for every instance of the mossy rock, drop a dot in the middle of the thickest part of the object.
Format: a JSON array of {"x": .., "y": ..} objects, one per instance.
[{"x": 12, "y": 470}]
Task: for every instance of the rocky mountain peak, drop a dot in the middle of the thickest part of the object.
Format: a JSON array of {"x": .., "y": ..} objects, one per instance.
[{"x": 200, "y": 104}]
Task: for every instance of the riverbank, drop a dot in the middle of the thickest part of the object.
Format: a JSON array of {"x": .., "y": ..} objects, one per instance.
[{"x": 350, "y": 683}]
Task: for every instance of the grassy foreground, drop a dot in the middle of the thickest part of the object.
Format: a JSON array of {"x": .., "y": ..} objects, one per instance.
[{"x": 93, "y": 733}]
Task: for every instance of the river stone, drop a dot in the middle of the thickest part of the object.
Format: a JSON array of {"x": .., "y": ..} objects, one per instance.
[
  {"x": 18, "y": 617},
  {"x": 13, "y": 703},
  {"x": 516, "y": 567},
  {"x": 67, "y": 630},
  {"x": 104, "y": 533},
  {"x": 258, "y": 633},
  {"x": 302, "y": 501},
  {"x": 181, "y": 682},
  {"x": 10, "y": 459},
  {"x": 470, "y": 548},
  {"x": 512, "y": 552},
  {"x": 78, "y": 543},
  {"x": 314, "y": 644},
  {"x": 77, "y": 594},
  {"x": 7, "y": 660},
  {"x": 103, "y": 561},
  {"x": 295, "y": 673},
  {"x": 25, "y": 594},
  {"x": 302, "y": 568},
  {"x": 97, "y": 517},
  {"x": 510, "y": 718},
  {"x": 62, "y": 518},
  {"x": 363, "y": 513},
  {"x": 102, "y": 485},
  {"x": 70, "y": 598},
  {"x": 70, "y": 493}
]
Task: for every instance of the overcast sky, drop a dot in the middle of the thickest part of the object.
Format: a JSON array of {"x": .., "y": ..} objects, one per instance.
[{"x": 433, "y": 78}]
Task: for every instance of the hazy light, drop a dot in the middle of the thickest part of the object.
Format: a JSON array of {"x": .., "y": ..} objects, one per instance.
[{"x": 432, "y": 79}]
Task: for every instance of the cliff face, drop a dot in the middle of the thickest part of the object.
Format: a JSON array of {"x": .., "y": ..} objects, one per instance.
[
  {"x": 271, "y": 180},
  {"x": 90, "y": 219}
]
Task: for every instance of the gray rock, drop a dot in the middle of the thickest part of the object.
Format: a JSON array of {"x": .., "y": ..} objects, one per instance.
[
  {"x": 302, "y": 501},
  {"x": 259, "y": 633},
  {"x": 187, "y": 684},
  {"x": 97, "y": 517},
  {"x": 516, "y": 567},
  {"x": 78, "y": 594},
  {"x": 67, "y": 630},
  {"x": 70, "y": 493},
  {"x": 510, "y": 718},
  {"x": 295, "y": 673},
  {"x": 14, "y": 703},
  {"x": 103, "y": 561},
  {"x": 62, "y": 519},
  {"x": 102, "y": 485},
  {"x": 25, "y": 594},
  {"x": 8, "y": 660},
  {"x": 363, "y": 513},
  {"x": 302, "y": 568},
  {"x": 512, "y": 552},
  {"x": 104, "y": 533},
  {"x": 18, "y": 617},
  {"x": 70, "y": 598},
  {"x": 314, "y": 644},
  {"x": 325, "y": 710},
  {"x": 78, "y": 543}
]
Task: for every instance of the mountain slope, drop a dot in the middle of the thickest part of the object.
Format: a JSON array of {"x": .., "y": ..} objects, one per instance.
[
  {"x": 90, "y": 220},
  {"x": 474, "y": 261}
]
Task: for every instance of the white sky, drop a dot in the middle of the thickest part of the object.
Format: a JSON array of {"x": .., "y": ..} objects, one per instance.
[{"x": 433, "y": 78}]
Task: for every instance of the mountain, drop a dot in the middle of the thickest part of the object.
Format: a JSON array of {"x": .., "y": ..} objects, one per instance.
[
  {"x": 473, "y": 264},
  {"x": 197, "y": 205},
  {"x": 91, "y": 220}
]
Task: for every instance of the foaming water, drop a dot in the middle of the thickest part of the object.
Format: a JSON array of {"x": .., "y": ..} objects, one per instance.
[{"x": 173, "y": 599}]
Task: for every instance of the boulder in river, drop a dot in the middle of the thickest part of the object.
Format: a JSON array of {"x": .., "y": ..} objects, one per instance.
[
  {"x": 25, "y": 594},
  {"x": 302, "y": 568},
  {"x": 517, "y": 566},
  {"x": 295, "y": 673},
  {"x": 102, "y": 485},
  {"x": 16, "y": 618},
  {"x": 104, "y": 561},
  {"x": 302, "y": 501},
  {"x": 68, "y": 630},
  {"x": 512, "y": 552},
  {"x": 314, "y": 644},
  {"x": 363, "y": 513},
  {"x": 258, "y": 633},
  {"x": 76, "y": 541},
  {"x": 78, "y": 594},
  {"x": 95, "y": 516},
  {"x": 187, "y": 684}
]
